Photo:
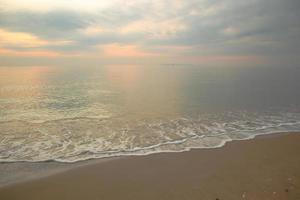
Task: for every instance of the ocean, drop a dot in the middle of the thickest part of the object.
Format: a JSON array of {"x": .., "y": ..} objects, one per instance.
[{"x": 69, "y": 114}]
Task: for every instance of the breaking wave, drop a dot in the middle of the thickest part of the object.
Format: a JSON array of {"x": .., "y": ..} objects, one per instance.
[{"x": 81, "y": 138}]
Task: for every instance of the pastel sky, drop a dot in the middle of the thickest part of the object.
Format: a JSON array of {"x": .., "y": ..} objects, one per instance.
[{"x": 149, "y": 31}]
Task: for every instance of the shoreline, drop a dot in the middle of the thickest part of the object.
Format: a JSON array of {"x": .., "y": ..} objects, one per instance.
[
  {"x": 44, "y": 169},
  {"x": 259, "y": 168}
]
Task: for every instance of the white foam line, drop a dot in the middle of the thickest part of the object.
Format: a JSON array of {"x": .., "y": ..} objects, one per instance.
[
  {"x": 153, "y": 148},
  {"x": 223, "y": 143}
]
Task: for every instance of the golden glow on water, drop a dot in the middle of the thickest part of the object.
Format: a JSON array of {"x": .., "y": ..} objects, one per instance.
[
  {"x": 22, "y": 81},
  {"x": 146, "y": 91},
  {"x": 140, "y": 92}
]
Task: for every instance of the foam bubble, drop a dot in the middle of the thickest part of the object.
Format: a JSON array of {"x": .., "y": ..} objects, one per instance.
[{"x": 81, "y": 138}]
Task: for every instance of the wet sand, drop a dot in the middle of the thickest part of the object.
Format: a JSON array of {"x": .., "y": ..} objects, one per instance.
[{"x": 267, "y": 167}]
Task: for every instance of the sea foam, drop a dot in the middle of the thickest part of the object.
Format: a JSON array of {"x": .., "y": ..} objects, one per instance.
[{"x": 82, "y": 138}]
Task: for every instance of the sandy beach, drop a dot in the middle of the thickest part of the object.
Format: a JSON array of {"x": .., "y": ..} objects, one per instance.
[{"x": 267, "y": 167}]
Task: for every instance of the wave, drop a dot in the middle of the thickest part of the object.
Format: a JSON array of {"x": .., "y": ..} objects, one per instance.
[{"x": 81, "y": 138}]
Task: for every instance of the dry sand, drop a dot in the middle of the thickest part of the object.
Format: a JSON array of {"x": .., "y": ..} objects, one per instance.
[{"x": 262, "y": 168}]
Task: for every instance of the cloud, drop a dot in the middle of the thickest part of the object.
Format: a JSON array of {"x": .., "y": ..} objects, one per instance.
[
  {"x": 155, "y": 29},
  {"x": 27, "y": 40},
  {"x": 53, "y": 24},
  {"x": 117, "y": 50},
  {"x": 192, "y": 28},
  {"x": 49, "y": 5},
  {"x": 20, "y": 39},
  {"x": 34, "y": 53}
]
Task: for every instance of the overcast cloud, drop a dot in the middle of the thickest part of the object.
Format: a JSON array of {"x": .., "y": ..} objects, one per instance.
[{"x": 185, "y": 30}]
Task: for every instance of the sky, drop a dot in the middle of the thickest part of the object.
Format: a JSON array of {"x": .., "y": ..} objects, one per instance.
[{"x": 150, "y": 31}]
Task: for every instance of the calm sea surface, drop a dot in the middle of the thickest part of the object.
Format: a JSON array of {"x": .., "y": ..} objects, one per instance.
[{"x": 69, "y": 114}]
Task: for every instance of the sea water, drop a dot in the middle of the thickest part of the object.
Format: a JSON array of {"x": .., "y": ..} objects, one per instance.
[{"x": 69, "y": 114}]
